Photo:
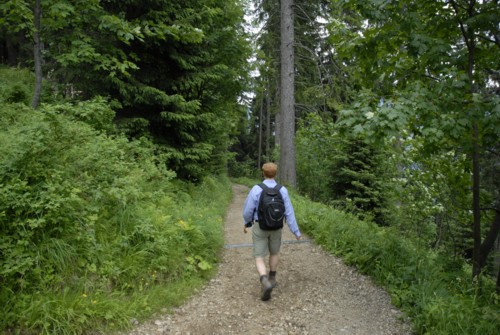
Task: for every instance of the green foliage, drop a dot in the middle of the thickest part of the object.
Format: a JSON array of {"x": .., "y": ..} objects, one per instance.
[
  {"x": 435, "y": 189},
  {"x": 314, "y": 141},
  {"x": 16, "y": 86},
  {"x": 92, "y": 229},
  {"x": 15, "y": 16},
  {"x": 433, "y": 144},
  {"x": 244, "y": 151},
  {"x": 344, "y": 170},
  {"x": 432, "y": 288},
  {"x": 97, "y": 113},
  {"x": 428, "y": 85},
  {"x": 177, "y": 65},
  {"x": 246, "y": 168}
]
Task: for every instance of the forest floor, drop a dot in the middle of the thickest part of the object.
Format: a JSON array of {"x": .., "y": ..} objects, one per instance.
[{"x": 316, "y": 294}]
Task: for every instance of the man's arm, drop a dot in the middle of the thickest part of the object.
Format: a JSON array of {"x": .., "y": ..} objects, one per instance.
[
  {"x": 249, "y": 208},
  {"x": 290, "y": 214}
]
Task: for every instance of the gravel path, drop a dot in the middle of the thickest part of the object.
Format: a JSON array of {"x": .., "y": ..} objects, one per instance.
[{"x": 316, "y": 294}]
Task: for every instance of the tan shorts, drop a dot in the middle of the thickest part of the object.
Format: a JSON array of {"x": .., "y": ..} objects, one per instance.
[{"x": 265, "y": 241}]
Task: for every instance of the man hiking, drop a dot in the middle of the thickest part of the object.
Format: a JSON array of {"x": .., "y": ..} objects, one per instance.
[{"x": 268, "y": 205}]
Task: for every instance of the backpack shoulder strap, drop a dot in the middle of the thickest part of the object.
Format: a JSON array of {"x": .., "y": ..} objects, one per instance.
[{"x": 263, "y": 186}]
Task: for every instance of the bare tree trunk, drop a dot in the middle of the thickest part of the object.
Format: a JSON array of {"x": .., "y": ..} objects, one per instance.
[
  {"x": 37, "y": 50},
  {"x": 489, "y": 241},
  {"x": 259, "y": 159},
  {"x": 277, "y": 117},
  {"x": 268, "y": 123},
  {"x": 498, "y": 281},
  {"x": 287, "y": 96},
  {"x": 476, "y": 206},
  {"x": 469, "y": 35}
]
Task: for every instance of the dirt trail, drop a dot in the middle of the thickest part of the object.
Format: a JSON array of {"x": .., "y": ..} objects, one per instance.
[{"x": 316, "y": 294}]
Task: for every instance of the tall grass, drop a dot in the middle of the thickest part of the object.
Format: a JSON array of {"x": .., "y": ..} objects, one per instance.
[
  {"x": 433, "y": 289},
  {"x": 94, "y": 231}
]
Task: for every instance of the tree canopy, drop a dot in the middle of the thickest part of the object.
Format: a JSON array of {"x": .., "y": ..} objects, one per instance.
[{"x": 179, "y": 66}]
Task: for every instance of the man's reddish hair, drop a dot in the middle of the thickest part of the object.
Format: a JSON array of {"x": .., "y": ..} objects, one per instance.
[{"x": 269, "y": 170}]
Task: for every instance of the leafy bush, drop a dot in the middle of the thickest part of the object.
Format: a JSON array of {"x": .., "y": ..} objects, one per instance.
[
  {"x": 97, "y": 113},
  {"x": 341, "y": 169},
  {"x": 17, "y": 86},
  {"x": 93, "y": 230},
  {"x": 433, "y": 289}
]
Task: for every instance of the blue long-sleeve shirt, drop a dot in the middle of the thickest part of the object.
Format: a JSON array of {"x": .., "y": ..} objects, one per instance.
[{"x": 252, "y": 202}]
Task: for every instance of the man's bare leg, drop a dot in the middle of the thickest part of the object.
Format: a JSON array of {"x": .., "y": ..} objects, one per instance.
[
  {"x": 273, "y": 266},
  {"x": 267, "y": 287}
]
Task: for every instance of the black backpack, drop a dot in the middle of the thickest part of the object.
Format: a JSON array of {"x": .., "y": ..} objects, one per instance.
[{"x": 271, "y": 211}]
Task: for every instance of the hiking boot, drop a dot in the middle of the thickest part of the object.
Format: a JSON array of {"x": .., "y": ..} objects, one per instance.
[
  {"x": 272, "y": 280},
  {"x": 266, "y": 289}
]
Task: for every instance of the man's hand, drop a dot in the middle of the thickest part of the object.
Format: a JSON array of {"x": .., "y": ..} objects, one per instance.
[
  {"x": 298, "y": 238},
  {"x": 247, "y": 225}
]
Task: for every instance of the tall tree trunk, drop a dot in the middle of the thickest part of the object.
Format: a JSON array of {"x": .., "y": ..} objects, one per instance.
[
  {"x": 259, "y": 159},
  {"x": 476, "y": 206},
  {"x": 268, "y": 123},
  {"x": 498, "y": 281},
  {"x": 489, "y": 241},
  {"x": 37, "y": 50},
  {"x": 287, "y": 96},
  {"x": 469, "y": 36},
  {"x": 277, "y": 118}
]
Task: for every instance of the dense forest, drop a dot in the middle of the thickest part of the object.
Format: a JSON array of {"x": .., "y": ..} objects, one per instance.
[{"x": 123, "y": 122}]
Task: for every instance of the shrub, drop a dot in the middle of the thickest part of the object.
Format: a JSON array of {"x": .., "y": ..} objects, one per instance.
[
  {"x": 93, "y": 230},
  {"x": 17, "y": 86}
]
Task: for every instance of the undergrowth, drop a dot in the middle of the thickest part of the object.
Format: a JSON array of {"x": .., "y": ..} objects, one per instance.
[
  {"x": 94, "y": 231},
  {"x": 433, "y": 289}
]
